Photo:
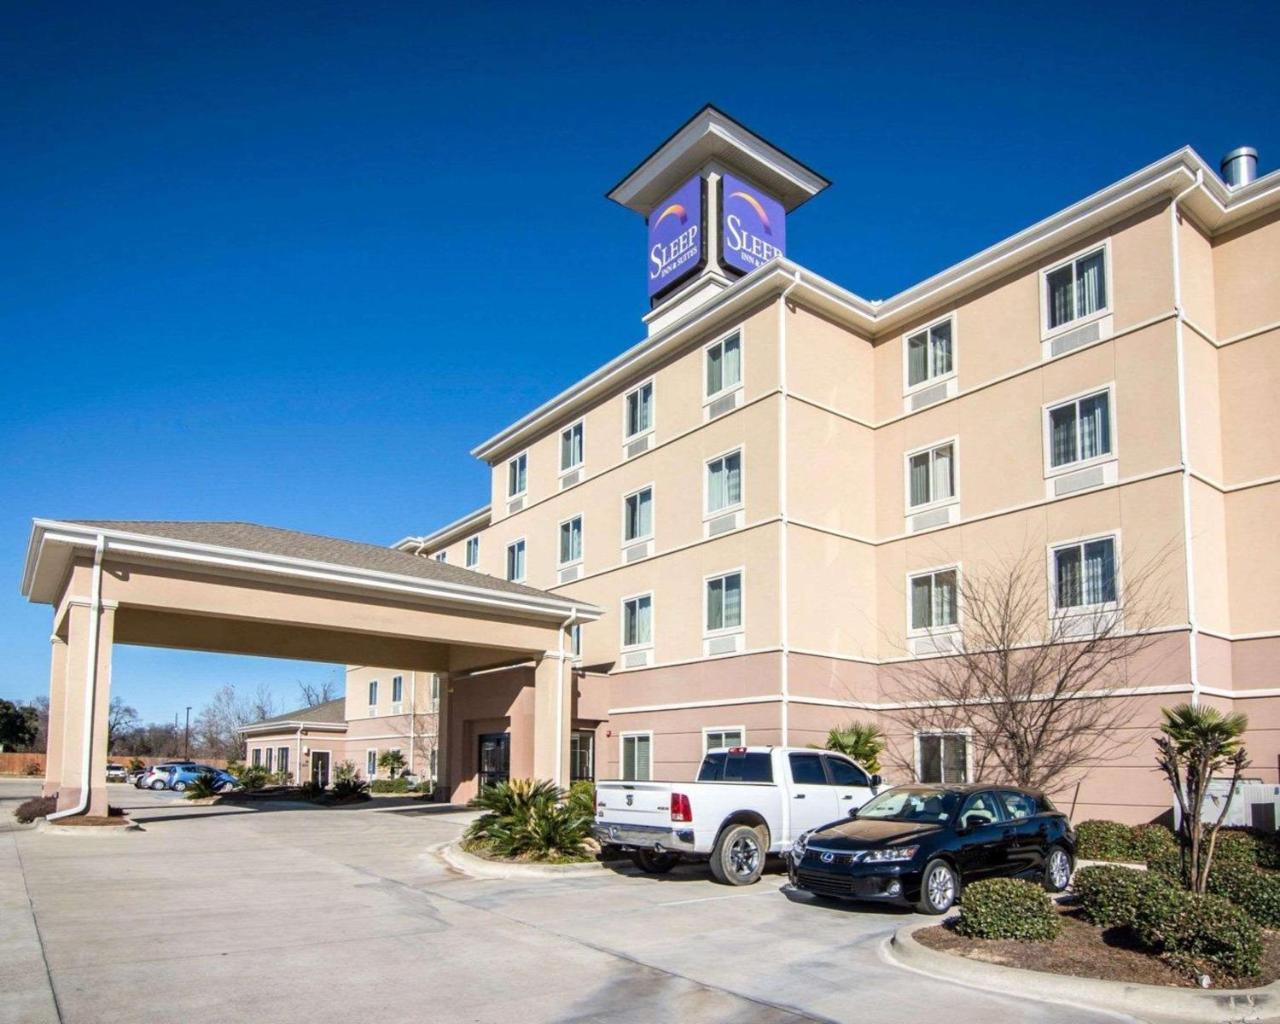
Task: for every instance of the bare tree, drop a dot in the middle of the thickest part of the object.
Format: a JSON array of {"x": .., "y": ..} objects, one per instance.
[
  {"x": 41, "y": 741},
  {"x": 1041, "y": 695},
  {"x": 313, "y": 693},
  {"x": 121, "y": 718},
  {"x": 215, "y": 731}
]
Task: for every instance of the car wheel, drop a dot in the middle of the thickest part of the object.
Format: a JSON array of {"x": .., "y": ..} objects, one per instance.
[
  {"x": 179, "y": 787},
  {"x": 157, "y": 784},
  {"x": 654, "y": 862},
  {"x": 939, "y": 887},
  {"x": 1057, "y": 869},
  {"x": 738, "y": 857}
]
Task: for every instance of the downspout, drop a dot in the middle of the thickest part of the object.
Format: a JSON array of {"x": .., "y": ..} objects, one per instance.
[
  {"x": 413, "y": 712},
  {"x": 1184, "y": 451},
  {"x": 568, "y": 623},
  {"x": 90, "y": 683},
  {"x": 298, "y": 758},
  {"x": 784, "y": 560}
]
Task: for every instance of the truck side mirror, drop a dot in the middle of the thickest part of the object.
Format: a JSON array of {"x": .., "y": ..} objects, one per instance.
[{"x": 876, "y": 782}]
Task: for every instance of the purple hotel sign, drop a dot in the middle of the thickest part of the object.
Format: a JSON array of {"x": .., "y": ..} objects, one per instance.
[
  {"x": 753, "y": 226},
  {"x": 676, "y": 247}
]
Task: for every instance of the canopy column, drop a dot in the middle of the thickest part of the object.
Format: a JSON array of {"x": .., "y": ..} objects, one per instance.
[
  {"x": 552, "y": 715},
  {"x": 53, "y": 725},
  {"x": 87, "y": 677}
]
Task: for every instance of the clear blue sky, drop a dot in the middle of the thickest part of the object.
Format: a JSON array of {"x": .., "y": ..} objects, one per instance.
[{"x": 289, "y": 262}]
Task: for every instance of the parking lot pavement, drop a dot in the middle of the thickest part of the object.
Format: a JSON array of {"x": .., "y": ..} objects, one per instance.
[{"x": 221, "y": 914}]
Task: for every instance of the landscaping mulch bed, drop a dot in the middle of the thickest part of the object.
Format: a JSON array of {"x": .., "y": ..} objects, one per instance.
[
  {"x": 96, "y": 821},
  {"x": 1086, "y": 951}
]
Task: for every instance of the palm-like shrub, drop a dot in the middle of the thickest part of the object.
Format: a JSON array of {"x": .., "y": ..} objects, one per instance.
[
  {"x": 251, "y": 776},
  {"x": 345, "y": 772},
  {"x": 202, "y": 787},
  {"x": 861, "y": 741},
  {"x": 350, "y": 788},
  {"x": 393, "y": 761},
  {"x": 529, "y": 818}
]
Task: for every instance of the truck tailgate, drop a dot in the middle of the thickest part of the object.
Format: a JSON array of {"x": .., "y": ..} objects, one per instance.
[{"x": 634, "y": 803}]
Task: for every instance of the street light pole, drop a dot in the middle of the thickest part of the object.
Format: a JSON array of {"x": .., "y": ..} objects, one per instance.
[{"x": 186, "y": 736}]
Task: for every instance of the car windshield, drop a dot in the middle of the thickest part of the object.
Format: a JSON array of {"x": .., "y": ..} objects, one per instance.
[{"x": 909, "y": 804}]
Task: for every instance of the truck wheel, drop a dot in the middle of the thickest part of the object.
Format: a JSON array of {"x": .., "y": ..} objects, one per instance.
[
  {"x": 738, "y": 857},
  {"x": 653, "y": 862}
]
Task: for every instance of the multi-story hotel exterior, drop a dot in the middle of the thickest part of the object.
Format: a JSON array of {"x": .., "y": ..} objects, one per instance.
[{"x": 773, "y": 494}]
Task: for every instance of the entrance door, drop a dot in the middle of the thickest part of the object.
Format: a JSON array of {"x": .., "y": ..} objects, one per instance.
[
  {"x": 494, "y": 760},
  {"x": 320, "y": 768}
]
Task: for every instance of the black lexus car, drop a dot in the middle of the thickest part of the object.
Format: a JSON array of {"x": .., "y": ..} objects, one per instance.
[{"x": 919, "y": 844}]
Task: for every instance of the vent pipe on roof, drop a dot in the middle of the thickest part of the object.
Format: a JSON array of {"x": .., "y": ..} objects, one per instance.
[{"x": 1240, "y": 166}]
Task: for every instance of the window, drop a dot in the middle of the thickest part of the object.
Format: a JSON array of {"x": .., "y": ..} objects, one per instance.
[
  {"x": 640, "y": 410},
  {"x": 637, "y": 750},
  {"x": 942, "y": 757},
  {"x": 473, "y": 552},
  {"x": 933, "y": 600},
  {"x": 724, "y": 365},
  {"x": 582, "y": 756},
  {"x": 1076, "y": 289},
  {"x": 442, "y": 556},
  {"x": 715, "y": 739},
  {"x": 397, "y": 689},
  {"x": 517, "y": 475},
  {"x": 724, "y": 602},
  {"x": 981, "y": 804},
  {"x": 929, "y": 354},
  {"x": 575, "y": 640},
  {"x": 433, "y": 763},
  {"x": 845, "y": 773},
  {"x": 1080, "y": 430},
  {"x": 806, "y": 770},
  {"x": 724, "y": 482},
  {"x": 1018, "y": 805},
  {"x": 282, "y": 759},
  {"x": 637, "y": 621},
  {"x": 571, "y": 541},
  {"x": 370, "y": 763},
  {"x": 257, "y": 757},
  {"x": 571, "y": 448},
  {"x": 743, "y": 767},
  {"x": 931, "y": 475},
  {"x": 269, "y": 752},
  {"x": 515, "y": 561},
  {"x": 435, "y": 689},
  {"x": 1085, "y": 574},
  {"x": 373, "y": 693},
  {"x": 637, "y": 516}
]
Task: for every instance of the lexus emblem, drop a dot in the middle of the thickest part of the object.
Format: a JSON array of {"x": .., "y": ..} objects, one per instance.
[
  {"x": 630, "y": 799},
  {"x": 827, "y": 858}
]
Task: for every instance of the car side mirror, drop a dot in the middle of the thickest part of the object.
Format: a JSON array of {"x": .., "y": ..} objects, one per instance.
[
  {"x": 976, "y": 820},
  {"x": 876, "y": 782}
]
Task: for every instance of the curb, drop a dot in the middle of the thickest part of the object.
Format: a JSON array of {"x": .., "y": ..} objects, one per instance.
[
  {"x": 478, "y": 867},
  {"x": 1140, "y": 1001},
  {"x": 79, "y": 830}
]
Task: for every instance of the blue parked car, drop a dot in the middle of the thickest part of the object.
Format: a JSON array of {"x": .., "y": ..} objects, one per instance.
[{"x": 180, "y": 776}]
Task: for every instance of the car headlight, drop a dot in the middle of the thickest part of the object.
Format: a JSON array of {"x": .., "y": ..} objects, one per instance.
[
  {"x": 799, "y": 846},
  {"x": 890, "y": 855}
]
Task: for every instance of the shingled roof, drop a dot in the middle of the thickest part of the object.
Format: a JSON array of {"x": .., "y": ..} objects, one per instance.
[
  {"x": 271, "y": 540},
  {"x": 332, "y": 712}
]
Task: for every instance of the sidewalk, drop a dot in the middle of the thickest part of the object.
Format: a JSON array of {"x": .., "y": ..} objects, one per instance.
[{"x": 24, "y": 980}]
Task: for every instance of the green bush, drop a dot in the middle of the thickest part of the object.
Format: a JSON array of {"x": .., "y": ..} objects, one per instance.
[
  {"x": 401, "y": 785},
  {"x": 1008, "y": 908},
  {"x": 582, "y": 797},
  {"x": 202, "y": 787},
  {"x": 528, "y": 818},
  {"x": 345, "y": 771},
  {"x": 36, "y": 807},
  {"x": 1152, "y": 841},
  {"x": 350, "y": 789},
  {"x": 312, "y": 790},
  {"x": 1198, "y": 931},
  {"x": 250, "y": 776},
  {"x": 1103, "y": 840},
  {"x": 1110, "y": 896},
  {"x": 1255, "y": 892}
]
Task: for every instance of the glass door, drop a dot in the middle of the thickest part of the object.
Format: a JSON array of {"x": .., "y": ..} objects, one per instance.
[{"x": 494, "y": 759}]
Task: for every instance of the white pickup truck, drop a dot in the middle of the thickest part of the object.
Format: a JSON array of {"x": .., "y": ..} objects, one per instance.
[{"x": 747, "y": 802}]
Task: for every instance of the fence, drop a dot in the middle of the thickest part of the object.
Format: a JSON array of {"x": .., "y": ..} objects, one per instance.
[{"x": 12, "y": 763}]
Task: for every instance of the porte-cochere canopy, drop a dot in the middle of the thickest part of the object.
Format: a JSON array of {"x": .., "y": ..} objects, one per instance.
[{"x": 239, "y": 588}]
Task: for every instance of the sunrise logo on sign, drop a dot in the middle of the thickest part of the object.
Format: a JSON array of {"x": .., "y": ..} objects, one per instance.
[
  {"x": 675, "y": 237},
  {"x": 753, "y": 226}
]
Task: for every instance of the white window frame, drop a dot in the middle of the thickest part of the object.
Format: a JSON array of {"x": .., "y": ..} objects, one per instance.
[
  {"x": 472, "y": 556},
  {"x": 582, "y": 540},
  {"x": 739, "y": 571},
  {"x": 441, "y": 556},
  {"x": 371, "y": 772},
  {"x": 374, "y": 692},
  {"x": 653, "y": 500},
  {"x": 909, "y": 388},
  {"x": 397, "y": 681},
  {"x": 954, "y": 499},
  {"x": 1051, "y": 560},
  {"x": 581, "y": 425},
  {"x": 707, "y": 514},
  {"x": 627, "y": 438},
  {"x": 1047, "y": 332},
  {"x": 622, "y": 751},
  {"x": 741, "y": 730},
  {"x": 522, "y": 457},
  {"x": 1046, "y": 422},
  {"x": 575, "y": 641},
  {"x": 708, "y": 398},
  {"x": 622, "y": 621},
  {"x": 506, "y": 566},
  {"x": 968, "y": 749},
  {"x": 958, "y": 626}
]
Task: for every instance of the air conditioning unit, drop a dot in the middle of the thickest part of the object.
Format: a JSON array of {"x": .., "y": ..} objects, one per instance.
[{"x": 397, "y": 708}]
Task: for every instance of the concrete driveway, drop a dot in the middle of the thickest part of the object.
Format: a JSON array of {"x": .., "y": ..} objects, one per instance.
[{"x": 218, "y": 914}]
